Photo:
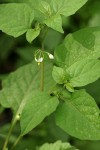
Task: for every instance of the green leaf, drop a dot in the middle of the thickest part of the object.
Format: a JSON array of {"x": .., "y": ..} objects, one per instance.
[
  {"x": 59, "y": 75},
  {"x": 36, "y": 109},
  {"x": 55, "y": 22},
  {"x": 77, "y": 46},
  {"x": 84, "y": 72},
  {"x": 49, "y": 11},
  {"x": 15, "y": 19},
  {"x": 63, "y": 7},
  {"x": 79, "y": 116},
  {"x": 69, "y": 87},
  {"x": 66, "y": 7},
  {"x": 42, "y": 9},
  {"x": 57, "y": 146},
  {"x": 32, "y": 34},
  {"x": 44, "y": 14},
  {"x": 20, "y": 84},
  {"x": 21, "y": 92}
]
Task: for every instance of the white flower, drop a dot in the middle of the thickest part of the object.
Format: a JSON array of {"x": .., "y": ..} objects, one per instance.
[
  {"x": 51, "y": 56},
  {"x": 39, "y": 60}
]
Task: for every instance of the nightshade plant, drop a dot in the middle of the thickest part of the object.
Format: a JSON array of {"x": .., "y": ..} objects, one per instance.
[{"x": 38, "y": 89}]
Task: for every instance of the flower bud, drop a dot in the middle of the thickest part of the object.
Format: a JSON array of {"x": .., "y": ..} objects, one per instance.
[{"x": 51, "y": 56}]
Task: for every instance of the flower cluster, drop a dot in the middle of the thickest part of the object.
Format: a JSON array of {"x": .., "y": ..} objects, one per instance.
[{"x": 39, "y": 56}]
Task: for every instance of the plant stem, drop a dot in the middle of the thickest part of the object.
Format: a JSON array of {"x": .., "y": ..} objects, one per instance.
[
  {"x": 16, "y": 142},
  {"x": 42, "y": 64},
  {"x": 9, "y": 133},
  {"x": 42, "y": 72}
]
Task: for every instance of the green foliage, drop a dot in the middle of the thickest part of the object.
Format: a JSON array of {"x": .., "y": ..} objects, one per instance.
[
  {"x": 84, "y": 72},
  {"x": 55, "y": 22},
  {"x": 25, "y": 85},
  {"x": 57, "y": 146},
  {"x": 35, "y": 91},
  {"x": 79, "y": 116},
  {"x": 77, "y": 46},
  {"x": 32, "y": 34},
  {"x": 59, "y": 75},
  {"x": 36, "y": 109},
  {"x": 72, "y": 6},
  {"x": 44, "y": 12},
  {"x": 15, "y": 19},
  {"x": 51, "y": 10},
  {"x": 79, "y": 74}
]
